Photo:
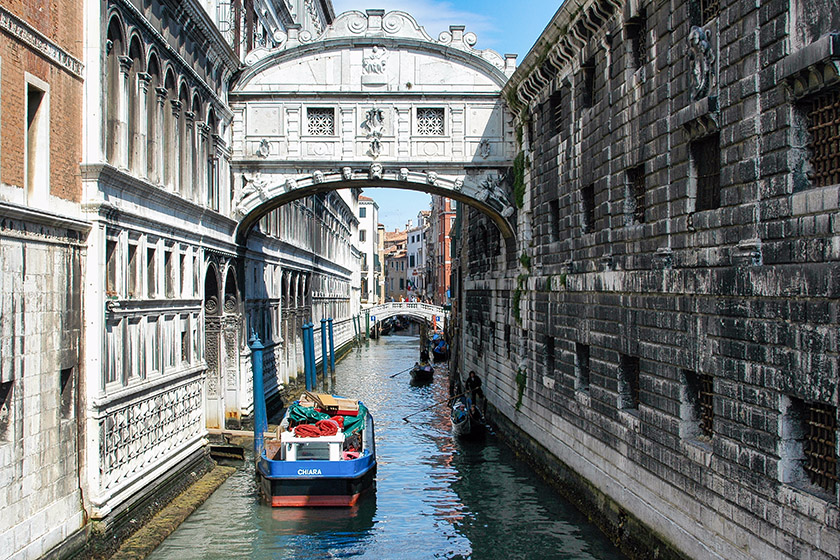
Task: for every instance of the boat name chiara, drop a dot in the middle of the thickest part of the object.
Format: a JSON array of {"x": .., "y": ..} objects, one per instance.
[{"x": 308, "y": 471}]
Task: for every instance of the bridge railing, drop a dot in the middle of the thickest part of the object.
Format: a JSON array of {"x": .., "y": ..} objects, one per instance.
[{"x": 394, "y": 306}]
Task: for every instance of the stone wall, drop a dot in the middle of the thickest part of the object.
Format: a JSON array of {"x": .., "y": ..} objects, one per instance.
[
  {"x": 676, "y": 339},
  {"x": 40, "y": 302}
]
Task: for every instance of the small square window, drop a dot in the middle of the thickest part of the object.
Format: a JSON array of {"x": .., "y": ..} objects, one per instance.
[
  {"x": 320, "y": 121},
  {"x": 6, "y": 394},
  {"x": 823, "y": 137},
  {"x": 65, "y": 397},
  {"x": 587, "y": 98},
  {"x": 703, "y": 11},
  {"x": 637, "y": 37},
  {"x": 698, "y": 401},
  {"x": 430, "y": 122},
  {"x": 582, "y": 366},
  {"x": 554, "y": 219},
  {"x": 362, "y": 212}
]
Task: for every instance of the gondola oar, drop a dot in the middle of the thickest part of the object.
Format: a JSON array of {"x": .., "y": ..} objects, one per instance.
[
  {"x": 450, "y": 399},
  {"x": 399, "y": 372}
]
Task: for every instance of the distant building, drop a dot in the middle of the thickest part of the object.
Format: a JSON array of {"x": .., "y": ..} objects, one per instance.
[
  {"x": 368, "y": 243},
  {"x": 439, "y": 259},
  {"x": 416, "y": 257},
  {"x": 395, "y": 260}
]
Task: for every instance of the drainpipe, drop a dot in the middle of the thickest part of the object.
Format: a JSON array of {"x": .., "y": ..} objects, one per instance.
[
  {"x": 332, "y": 346},
  {"x": 260, "y": 417}
]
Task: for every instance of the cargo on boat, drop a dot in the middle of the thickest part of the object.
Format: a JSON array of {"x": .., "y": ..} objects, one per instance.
[{"x": 322, "y": 455}]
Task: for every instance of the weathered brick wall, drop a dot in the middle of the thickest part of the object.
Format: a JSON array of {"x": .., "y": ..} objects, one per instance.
[
  {"x": 60, "y": 22},
  {"x": 742, "y": 296}
]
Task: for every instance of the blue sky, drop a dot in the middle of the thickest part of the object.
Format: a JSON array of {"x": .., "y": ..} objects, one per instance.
[{"x": 498, "y": 24}]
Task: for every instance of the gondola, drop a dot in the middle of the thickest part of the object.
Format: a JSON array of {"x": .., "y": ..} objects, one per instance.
[
  {"x": 422, "y": 373},
  {"x": 440, "y": 350},
  {"x": 467, "y": 420}
]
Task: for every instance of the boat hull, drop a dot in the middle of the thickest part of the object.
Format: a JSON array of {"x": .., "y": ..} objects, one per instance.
[{"x": 315, "y": 483}]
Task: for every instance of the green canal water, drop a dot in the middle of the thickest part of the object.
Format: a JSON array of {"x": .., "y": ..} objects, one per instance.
[{"x": 434, "y": 498}]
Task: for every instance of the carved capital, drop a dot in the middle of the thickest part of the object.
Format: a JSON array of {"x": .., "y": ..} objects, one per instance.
[
  {"x": 161, "y": 94},
  {"x": 143, "y": 81},
  {"x": 125, "y": 64},
  {"x": 176, "y": 107}
]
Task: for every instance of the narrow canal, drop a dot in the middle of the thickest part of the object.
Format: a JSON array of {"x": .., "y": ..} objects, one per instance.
[{"x": 434, "y": 498}]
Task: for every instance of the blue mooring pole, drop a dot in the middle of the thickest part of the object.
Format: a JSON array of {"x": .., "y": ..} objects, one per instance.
[
  {"x": 332, "y": 346},
  {"x": 260, "y": 417},
  {"x": 312, "y": 370},
  {"x": 324, "y": 357},
  {"x": 306, "y": 366}
]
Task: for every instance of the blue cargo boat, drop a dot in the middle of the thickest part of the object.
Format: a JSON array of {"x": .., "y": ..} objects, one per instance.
[{"x": 323, "y": 454}]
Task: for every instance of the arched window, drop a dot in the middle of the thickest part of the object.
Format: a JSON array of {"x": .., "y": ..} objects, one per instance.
[
  {"x": 153, "y": 121},
  {"x": 135, "y": 135},
  {"x": 195, "y": 152},
  {"x": 114, "y": 49},
  {"x": 212, "y": 162},
  {"x": 170, "y": 107},
  {"x": 184, "y": 123}
]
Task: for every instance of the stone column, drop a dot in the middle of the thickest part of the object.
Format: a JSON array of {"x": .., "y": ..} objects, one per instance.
[{"x": 201, "y": 178}]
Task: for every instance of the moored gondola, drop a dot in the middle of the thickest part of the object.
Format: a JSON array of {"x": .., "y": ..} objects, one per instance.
[
  {"x": 422, "y": 373},
  {"x": 467, "y": 420}
]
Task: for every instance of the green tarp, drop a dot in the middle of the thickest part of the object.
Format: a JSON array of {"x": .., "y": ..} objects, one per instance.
[{"x": 308, "y": 415}]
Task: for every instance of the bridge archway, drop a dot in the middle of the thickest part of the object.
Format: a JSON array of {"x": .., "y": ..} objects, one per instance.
[{"x": 374, "y": 101}]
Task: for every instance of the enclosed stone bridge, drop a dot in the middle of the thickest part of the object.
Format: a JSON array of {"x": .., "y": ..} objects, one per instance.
[
  {"x": 432, "y": 314},
  {"x": 373, "y": 101}
]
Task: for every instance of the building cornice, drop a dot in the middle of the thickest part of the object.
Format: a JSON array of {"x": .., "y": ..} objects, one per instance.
[{"x": 10, "y": 210}]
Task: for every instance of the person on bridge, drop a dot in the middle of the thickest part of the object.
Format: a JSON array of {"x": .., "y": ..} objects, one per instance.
[{"x": 473, "y": 387}]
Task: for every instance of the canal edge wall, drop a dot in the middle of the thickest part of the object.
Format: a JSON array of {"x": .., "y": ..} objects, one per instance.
[{"x": 630, "y": 534}]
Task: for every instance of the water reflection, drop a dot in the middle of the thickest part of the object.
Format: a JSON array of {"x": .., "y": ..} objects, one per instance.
[{"x": 435, "y": 497}]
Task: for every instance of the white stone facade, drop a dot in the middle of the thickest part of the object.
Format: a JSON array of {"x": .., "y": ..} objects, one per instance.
[{"x": 371, "y": 265}]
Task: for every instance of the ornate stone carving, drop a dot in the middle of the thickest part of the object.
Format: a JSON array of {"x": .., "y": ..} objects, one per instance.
[
  {"x": 701, "y": 61},
  {"x": 459, "y": 184},
  {"x": 347, "y": 173},
  {"x": 318, "y": 177},
  {"x": 373, "y": 66},
  {"x": 484, "y": 148},
  {"x": 374, "y": 61},
  {"x": 291, "y": 184},
  {"x": 403, "y": 175},
  {"x": 375, "y": 126},
  {"x": 431, "y": 178},
  {"x": 495, "y": 195},
  {"x": 139, "y": 434},
  {"x": 375, "y": 170},
  {"x": 264, "y": 149}
]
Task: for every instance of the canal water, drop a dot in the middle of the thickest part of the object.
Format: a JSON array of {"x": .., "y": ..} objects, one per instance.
[{"x": 434, "y": 498}]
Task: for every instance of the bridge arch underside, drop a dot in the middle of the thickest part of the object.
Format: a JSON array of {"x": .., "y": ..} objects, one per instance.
[
  {"x": 268, "y": 197},
  {"x": 417, "y": 315}
]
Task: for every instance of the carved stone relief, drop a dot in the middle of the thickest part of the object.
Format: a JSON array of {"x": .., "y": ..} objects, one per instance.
[
  {"x": 374, "y": 61},
  {"x": 701, "y": 62}
]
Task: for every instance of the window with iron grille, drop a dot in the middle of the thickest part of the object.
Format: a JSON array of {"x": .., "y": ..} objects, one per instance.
[
  {"x": 555, "y": 112},
  {"x": 582, "y": 365},
  {"x": 704, "y": 11},
  {"x": 430, "y": 122},
  {"x": 705, "y": 155},
  {"x": 823, "y": 113},
  {"x": 699, "y": 396},
  {"x": 320, "y": 121},
  {"x": 820, "y": 445},
  {"x": 637, "y": 36},
  {"x": 636, "y": 193},
  {"x": 629, "y": 382},
  {"x": 587, "y": 195}
]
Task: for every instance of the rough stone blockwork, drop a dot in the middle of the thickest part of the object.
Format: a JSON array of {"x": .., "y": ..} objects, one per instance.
[{"x": 673, "y": 316}]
